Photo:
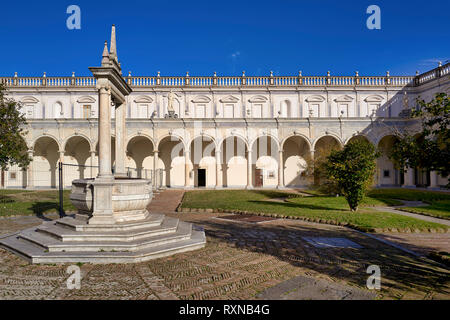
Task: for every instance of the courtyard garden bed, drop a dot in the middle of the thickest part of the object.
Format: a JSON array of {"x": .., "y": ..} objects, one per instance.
[
  {"x": 315, "y": 208},
  {"x": 32, "y": 202}
]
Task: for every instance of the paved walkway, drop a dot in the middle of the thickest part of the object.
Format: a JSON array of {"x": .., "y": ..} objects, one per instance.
[
  {"x": 414, "y": 215},
  {"x": 166, "y": 201},
  {"x": 240, "y": 261}
]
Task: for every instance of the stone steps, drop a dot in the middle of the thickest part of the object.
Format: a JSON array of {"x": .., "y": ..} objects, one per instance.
[
  {"x": 153, "y": 220},
  {"x": 53, "y": 245},
  {"x": 66, "y": 240},
  {"x": 55, "y": 230},
  {"x": 35, "y": 254}
]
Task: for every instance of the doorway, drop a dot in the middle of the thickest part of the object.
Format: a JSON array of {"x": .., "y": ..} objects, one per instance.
[
  {"x": 258, "y": 178},
  {"x": 201, "y": 177}
]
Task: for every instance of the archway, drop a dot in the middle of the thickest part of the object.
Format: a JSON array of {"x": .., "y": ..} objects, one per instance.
[
  {"x": 387, "y": 174},
  {"x": 322, "y": 149},
  {"x": 265, "y": 162},
  {"x": 140, "y": 157},
  {"x": 45, "y": 162},
  {"x": 171, "y": 153},
  {"x": 76, "y": 153},
  {"x": 203, "y": 157},
  {"x": 234, "y": 162},
  {"x": 296, "y": 155}
]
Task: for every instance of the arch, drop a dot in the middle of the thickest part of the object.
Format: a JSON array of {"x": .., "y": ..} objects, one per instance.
[
  {"x": 238, "y": 135},
  {"x": 387, "y": 174},
  {"x": 296, "y": 154},
  {"x": 141, "y": 135},
  {"x": 265, "y": 134},
  {"x": 169, "y": 135},
  {"x": 77, "y": 151},
  {"x": 172, "y": 160},
  {"x": 358, "y": 137},
  {"x": 203, "y": 160},
  {"x": 258, "y": 99},
  {"x": 295, "y": 134},
  {"x": 328, "y": 134},
  {"x": 77, "y": 135},
  {"x": 86, "y": 99},
  {"x": 29, "y": 99},
  {"x": 201, "y": 99},
  {"x": 207, "y": 135},
  {"x": 45, "y": 159},
  {"x": 33, "y": 142},
  {"x": 140, "y": 156},
  {"x": 233, "y": 161},
  {"x": 315, "y": 98},
  {"x": 143, "y": 99},
  {"x": 265, "y": 161},
  {"x": 374, "y": 98}
]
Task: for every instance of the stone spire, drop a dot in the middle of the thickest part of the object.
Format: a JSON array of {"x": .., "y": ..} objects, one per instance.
[
  {"x": 105, "y": 55},
  {"x": 113, "y": 48}
]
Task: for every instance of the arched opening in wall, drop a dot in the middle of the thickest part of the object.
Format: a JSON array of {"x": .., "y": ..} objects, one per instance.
[
  {"x": 322, "y": 149},
  {"x": 140, "y": 160},
  {"x": 58, "y": 111},
  {"x": 171, "y": 154},
  {"x": 296, "y": 159},
  {"x": 76, "y": 153},
  {"x": 265, "y": 162},
  {"x": 203, "y": 158},
  {"x": 113, "y": 154},
  {"x": 15, "y": 176},
  {"x": 358, "y": 138},
  {"x": 387, "y": 173},
  {"x": 285, "y": 109},
  {"x": 45, "y": 162},
  {"x": 421, "y": 176},
  {"x": 233, "y": 162}
]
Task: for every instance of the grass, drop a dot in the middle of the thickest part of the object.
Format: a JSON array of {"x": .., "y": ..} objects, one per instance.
[
  {"x": 438, "y": 202},
  {"x": 315, "y": 207},
  {"x": 27, "y": 202}
]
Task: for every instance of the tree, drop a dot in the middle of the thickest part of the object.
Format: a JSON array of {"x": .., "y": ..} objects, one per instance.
[
  {"x": 429, "y": 148},
  {"x": 13, "y": 149},
  {"x": 352, "y": 169}
]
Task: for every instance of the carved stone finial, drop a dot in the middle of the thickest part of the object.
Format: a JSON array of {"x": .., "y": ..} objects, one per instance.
[
  {"x": 113, "y": 47},
  {"x": 105, "y": 55}
]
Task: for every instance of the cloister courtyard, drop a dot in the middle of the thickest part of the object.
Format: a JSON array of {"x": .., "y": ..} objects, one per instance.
[{"x": 261, "y": 244}]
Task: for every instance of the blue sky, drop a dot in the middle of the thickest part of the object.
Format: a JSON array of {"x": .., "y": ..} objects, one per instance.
[{"x": 226, "y": 36}]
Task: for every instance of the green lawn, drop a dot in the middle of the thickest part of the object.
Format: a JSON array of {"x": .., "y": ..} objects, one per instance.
[
  {"x": 438, "y": 202},
  {"x": 314, "y": 207},
  {"x": 26, "y": 202}
]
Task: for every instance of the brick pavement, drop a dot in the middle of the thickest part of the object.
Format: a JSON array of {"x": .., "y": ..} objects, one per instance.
[{"x": 240, "y": 261}]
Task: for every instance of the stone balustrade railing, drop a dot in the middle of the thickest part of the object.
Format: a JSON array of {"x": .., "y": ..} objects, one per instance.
[{"x": 237, "y": 81}]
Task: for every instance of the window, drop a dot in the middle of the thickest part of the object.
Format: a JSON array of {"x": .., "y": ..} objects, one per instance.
[
  {"x": 343, "y": 110},
  {"x": 386, "y": 174},
  {"x": 314, "y": 110},
  {"x": 86, "y": 111},
  {"x": 257, "y": 111},
  {"x": 373, "y": 109},
  {"x": 12, "y": 176}
]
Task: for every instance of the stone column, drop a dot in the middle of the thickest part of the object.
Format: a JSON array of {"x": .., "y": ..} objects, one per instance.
[
  {"x": 218, "y": 165},
  {"x": 104, "y": 134},
  {"x": 155, "y": 167},
  {"x": 30, "y": 179},
  {"x": 186, "y": 168},
  {"x": 92, "y": 163},
  {"x": 409, "y": 178},
  {"x": 249, "y": 170},
  {"x": 280, "y": 169},
  {"x": 121, "y": 134},
  {"x": 433, "y": 180}
]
